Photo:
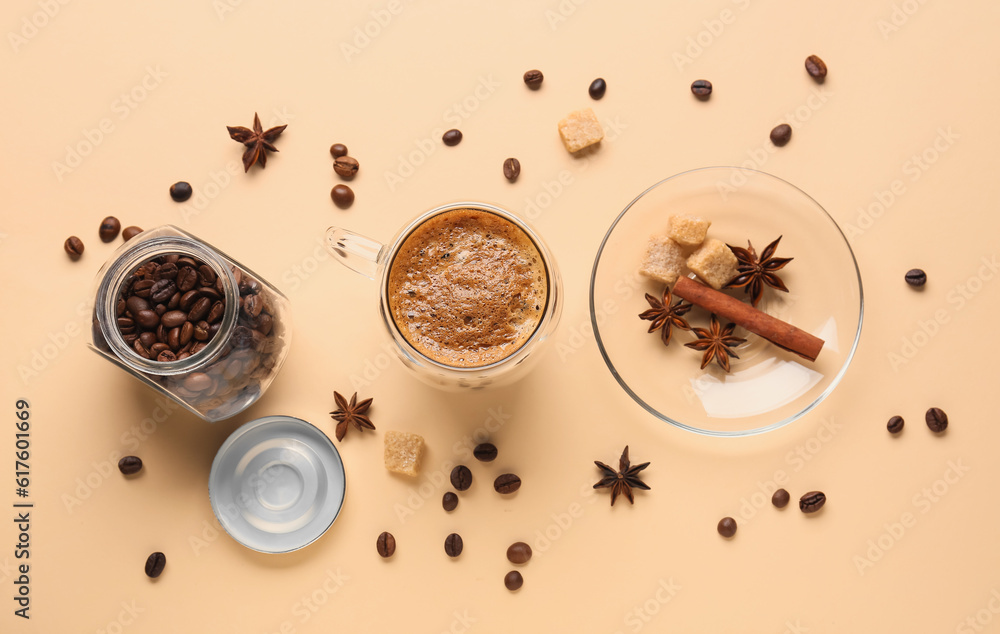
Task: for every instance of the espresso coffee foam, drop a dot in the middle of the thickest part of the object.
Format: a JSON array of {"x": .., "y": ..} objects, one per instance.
[{"x": 467, "y": 288}]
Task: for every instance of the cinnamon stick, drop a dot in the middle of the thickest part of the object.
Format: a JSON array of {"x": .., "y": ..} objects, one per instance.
[{"x": 780, "y": 333}]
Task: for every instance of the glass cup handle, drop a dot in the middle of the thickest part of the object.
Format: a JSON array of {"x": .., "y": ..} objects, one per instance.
[{"x": 355, "y": 251}]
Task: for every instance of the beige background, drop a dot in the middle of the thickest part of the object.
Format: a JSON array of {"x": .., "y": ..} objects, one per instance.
[{"x": 164, "y": 82}]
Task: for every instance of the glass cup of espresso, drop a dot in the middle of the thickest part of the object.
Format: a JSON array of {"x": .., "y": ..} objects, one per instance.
[{"x": 468, "y": 292}]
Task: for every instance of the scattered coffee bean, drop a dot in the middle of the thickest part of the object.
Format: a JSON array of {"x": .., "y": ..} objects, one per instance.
[
  {"x": 130, "y": 232},
  {"x": 727, "y": 527},
  {"x": 155, "y": 564},
  {"x": 511, "y": 169},
  {"x": 485, "y": 452},
  {"x": 895, "y": 425},
  {"x": 781, "y": 134},
  {"x": 449, "y": 501},
  {"x": 507, "y": 483},
  {"x": 702, "y": 88},
  {"x": 453, "y": 545},
  {"x": 452, "y": 137},
  {"x": 937, "y": 420},
  {"x": 916, "y": 277},
  {"x": 73, "y": 246},
  {"x": 533, "y": 78},
  {"x": 337, "y": 150},
  {"x": 816, "y": 68},
  {"x": 181, "y": 191},
  {"x": 812, "y": 501},
  {"x": 130, "y": 464},
  {"x": 518, "y": 553},
  {"x": 780, "y": 498},
  {"x": 461, "y": 478},
  {"x": 342, "y": 195},
  {"x": 597, "y": 88},
  {"x": 109, "y": 229},
  {"x": 513, "y": 580},
  {"x": 346, "y": 167},
  {"x": 385, "y": 545}
]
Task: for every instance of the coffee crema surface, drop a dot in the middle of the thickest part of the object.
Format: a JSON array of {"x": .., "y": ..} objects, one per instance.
[{"x": 467, "y": 288}]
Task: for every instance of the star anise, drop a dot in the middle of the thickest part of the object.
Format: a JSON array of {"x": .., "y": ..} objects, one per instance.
[
  {"x": 716, "y": 343},
  {"x": 353, "y": 412},
  {"x": 257, "y": 141},
  {"x": 664, "y": 316},
  {"x": 623, "y": 480},
  {"x": 754, "y": 272}
]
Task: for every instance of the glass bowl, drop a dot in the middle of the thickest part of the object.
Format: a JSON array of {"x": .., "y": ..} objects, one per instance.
[
  {"x": 277, "y": 484},
  {"x": 767, "y": 387}
]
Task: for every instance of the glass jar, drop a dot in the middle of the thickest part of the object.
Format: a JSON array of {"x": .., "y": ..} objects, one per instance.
[{"x": 235, "y": 332}]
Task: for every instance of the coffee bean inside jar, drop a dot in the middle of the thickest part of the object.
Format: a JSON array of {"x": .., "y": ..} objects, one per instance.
[{"x": 192, "y": 323}]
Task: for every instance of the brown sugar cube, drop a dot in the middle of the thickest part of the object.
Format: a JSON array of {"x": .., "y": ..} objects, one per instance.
[
  {"x": 580, "y": 129},
  {"x": 714, "y": 263},
  {"x": 688, "y": 231},
  {"x": 403, "y": 452},
  {"x": 664, "y": 260}
]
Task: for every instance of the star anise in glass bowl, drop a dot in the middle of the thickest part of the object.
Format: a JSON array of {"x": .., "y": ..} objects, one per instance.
[
  {"x": 664, "y": 316},
  {"x": 755, "y": 272},
  {"x": 715, "y": 342}
]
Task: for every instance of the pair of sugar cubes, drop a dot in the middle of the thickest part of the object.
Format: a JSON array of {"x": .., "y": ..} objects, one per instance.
[{"x": 712, "y": 261}]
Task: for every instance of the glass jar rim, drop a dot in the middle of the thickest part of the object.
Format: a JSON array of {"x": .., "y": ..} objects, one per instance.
[{"x": 126, "y": 263}]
